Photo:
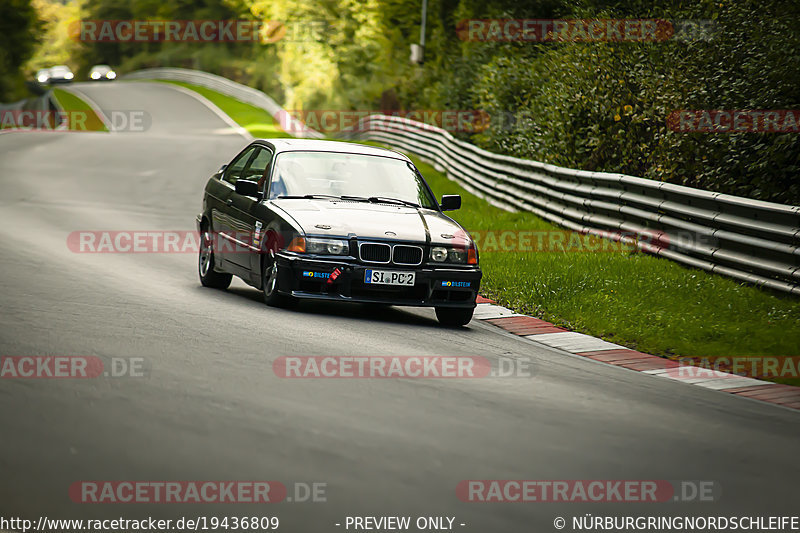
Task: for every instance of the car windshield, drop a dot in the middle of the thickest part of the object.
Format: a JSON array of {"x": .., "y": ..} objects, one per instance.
[{"x": 353, "y": 176}]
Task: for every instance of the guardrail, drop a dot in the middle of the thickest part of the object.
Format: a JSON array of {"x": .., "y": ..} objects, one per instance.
[
  {"x": 749, "y": 240},
  {"x": 230, "y": 88},
  {"x": 43, "y": 103}
]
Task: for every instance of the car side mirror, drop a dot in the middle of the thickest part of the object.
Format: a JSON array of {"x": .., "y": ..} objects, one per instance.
[
  {"x": 222, "y": 169},
  {"x": 451, "y": 202},
  {"x": 247, "y": 188}
]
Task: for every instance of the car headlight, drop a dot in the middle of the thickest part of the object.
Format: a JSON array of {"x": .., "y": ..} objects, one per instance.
[
  {"x": 327, "y": 246},
  {"x": 441, "y": 254},
  {"x": 111, "y": 75},
  {"x": 42, "y": 78},
  {"x": 68, "y": 76},
  {"x": 438, "y": 254},
  {"x": 95, "y": 75}
]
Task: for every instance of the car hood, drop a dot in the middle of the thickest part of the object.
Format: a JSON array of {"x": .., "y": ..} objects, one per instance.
[{"x": 370, "y": 221}]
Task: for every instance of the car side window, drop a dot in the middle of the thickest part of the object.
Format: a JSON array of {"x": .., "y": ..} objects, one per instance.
[
  {"x": 237, "y": 166},
  {"x": 257, "y": 168}
]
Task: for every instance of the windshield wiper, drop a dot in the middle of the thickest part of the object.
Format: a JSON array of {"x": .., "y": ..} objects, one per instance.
[
  {"x": 307, "y": 196},
  {"x": 355, "y": 198},
  {"x": 371, "y": 199},
  {"x": 388, "y": 200}
]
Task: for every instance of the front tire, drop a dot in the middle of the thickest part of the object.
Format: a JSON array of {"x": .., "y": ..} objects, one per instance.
[
  {"x": 205, "y": 265},
  {"x": 269, "y": 283},
  {"x": 454, "y": 316}
]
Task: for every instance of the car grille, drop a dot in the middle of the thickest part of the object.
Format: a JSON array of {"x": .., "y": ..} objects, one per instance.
[
  {"x": 399, "y": 254},
  {"x": 406, "y": 255},
  {"x": 375, "y": 252}
]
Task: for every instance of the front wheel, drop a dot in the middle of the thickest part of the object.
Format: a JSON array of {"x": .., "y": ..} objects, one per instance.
[
  {"x": 454, "y": 316},
  {"x": 205, "y": 265},
  {"x": 269, "y": 283}
]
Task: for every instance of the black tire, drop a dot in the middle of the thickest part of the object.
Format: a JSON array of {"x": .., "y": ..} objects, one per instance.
[
  {"x": 205, "y": 265},
  {"x": 454, "y": 316},
  {"x": 269, "y": 283}
]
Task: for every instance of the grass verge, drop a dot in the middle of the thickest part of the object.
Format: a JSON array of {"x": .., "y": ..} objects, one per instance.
[
  {"x": 633, "y": 299},
  {"x": 80, "y": 116},
  {"x": 255, "y": 120}
]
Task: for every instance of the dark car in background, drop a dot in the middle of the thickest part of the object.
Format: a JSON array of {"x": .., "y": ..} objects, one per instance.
[{"x": 327, "y": 220}]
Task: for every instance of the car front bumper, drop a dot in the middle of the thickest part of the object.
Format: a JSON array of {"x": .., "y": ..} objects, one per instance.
[{"x": 434, "y": 286}]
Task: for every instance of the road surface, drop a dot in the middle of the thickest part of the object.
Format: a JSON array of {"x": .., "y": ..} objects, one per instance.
[{"x": 211, "y": 408}]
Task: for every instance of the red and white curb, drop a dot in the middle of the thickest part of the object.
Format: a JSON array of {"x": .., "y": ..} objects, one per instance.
[{"x": 593, "y": 348}]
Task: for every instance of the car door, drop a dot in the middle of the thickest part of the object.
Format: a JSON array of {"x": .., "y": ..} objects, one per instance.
[
  {"x": 244, "y": 218},
  {"x": 223, "y": 221}
]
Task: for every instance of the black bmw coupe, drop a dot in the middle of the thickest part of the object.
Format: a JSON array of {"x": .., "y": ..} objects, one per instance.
[{"x": 313, "y": 219}]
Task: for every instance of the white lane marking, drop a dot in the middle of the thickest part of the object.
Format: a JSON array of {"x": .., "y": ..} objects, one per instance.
[
  {"x": 216, "y": 110},
  {"x": 730, "y": 383},
  {"x": 489, "y": 311},
  {"x": 574, "y": 342}
]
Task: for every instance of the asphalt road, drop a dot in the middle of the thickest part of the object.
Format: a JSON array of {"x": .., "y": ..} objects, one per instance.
[{"x": 211, "y": 408}]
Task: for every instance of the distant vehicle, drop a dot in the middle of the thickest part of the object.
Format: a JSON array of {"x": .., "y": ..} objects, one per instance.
[
  {"x": 102, "y": 73},
  {"x": 43, "y": 75},
  {"x": 60, "y": 74},
  {"x": 326, "y": 220}
]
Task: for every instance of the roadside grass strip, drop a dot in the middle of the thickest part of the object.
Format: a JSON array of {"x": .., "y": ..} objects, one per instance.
[
  {"x": 548, "y": 334},
  {"x": 80, "y": 116},
  {"x": 622, "y": 296},
  {"x": 616, "y": 297},
  {"x": 257, "y": 122}
]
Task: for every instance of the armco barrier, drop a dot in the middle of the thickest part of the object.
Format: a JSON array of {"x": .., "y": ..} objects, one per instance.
[{"x": 749, "y": 240}]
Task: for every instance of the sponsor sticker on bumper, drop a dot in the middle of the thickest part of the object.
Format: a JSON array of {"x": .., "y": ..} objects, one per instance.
[
  {"x": 318, "y": 275},
  {"x": 455, "y": 284}
]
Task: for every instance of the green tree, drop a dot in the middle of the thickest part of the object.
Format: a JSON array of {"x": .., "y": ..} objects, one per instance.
[{"x": 18, "y": 37}]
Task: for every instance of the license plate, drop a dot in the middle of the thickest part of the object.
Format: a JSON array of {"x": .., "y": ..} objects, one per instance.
[{"x": 389, "y": 277}]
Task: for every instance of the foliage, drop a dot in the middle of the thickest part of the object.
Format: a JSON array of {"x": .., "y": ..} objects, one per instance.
[
  {"x": 592, "y": 105},
  {"x": 19, "y": 24}
]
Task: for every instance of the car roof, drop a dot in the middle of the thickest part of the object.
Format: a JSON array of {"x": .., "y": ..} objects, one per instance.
[{"x": 318, "y": 145}]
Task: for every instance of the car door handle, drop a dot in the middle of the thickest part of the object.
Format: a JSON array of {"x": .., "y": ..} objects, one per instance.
[{"x": 229, "y": 202}]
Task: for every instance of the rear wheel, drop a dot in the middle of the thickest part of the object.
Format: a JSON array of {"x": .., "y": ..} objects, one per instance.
[
  {"x": 205, "y": 265},
  {"x": 269, "y": 283},
  {"x": 454, "y": 316}
]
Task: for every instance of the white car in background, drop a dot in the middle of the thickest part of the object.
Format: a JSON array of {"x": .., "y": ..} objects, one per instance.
[
  {"x": 60, "y": 74},
  {"x": 43, "y": 75},
  {"x": 102, "y": 73}
]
